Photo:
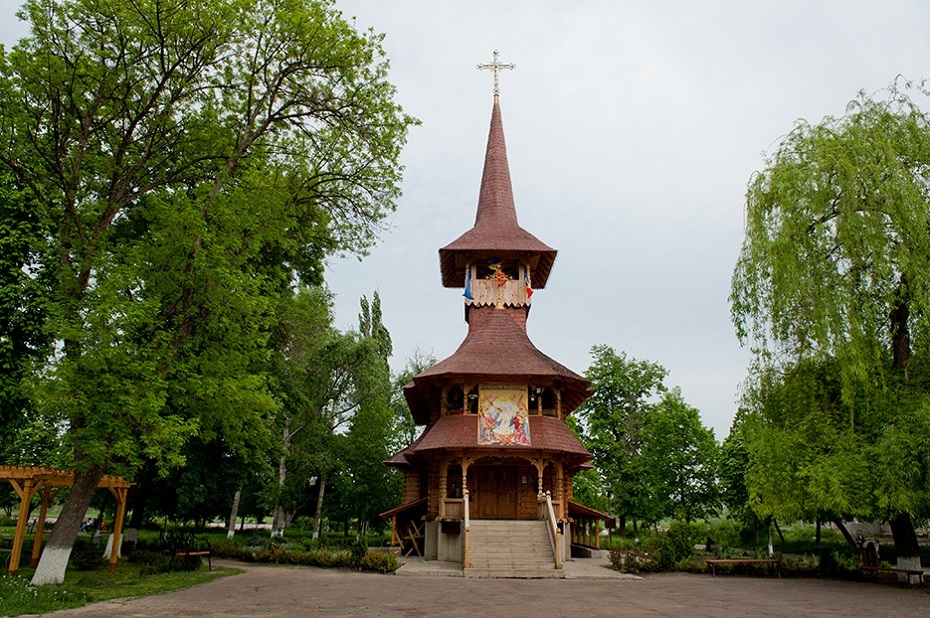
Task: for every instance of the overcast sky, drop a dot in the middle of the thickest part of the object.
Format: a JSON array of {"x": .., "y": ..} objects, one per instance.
[{"x": 632, "y": 129}]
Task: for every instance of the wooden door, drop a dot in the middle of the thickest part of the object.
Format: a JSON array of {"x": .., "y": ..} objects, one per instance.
[{"x": 497, "y": 492}]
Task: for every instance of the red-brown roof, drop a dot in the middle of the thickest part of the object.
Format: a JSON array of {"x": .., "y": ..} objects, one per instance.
[
  {"x": 496, "y": 233},
  {"x": 497, "y": 350},
  {"x": 460, "y": 431}
]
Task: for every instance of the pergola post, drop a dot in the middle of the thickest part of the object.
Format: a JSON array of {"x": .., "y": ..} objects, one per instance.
[
  {"x": 26, "y": 492},
  {"x": 120, "y": 494},
  {"x": 40, "y": 527}
]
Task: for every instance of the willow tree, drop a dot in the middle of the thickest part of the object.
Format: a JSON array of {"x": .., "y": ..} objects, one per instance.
[
  {"x": 835, "y": 268},
  {"x": 187, "y": 158}
]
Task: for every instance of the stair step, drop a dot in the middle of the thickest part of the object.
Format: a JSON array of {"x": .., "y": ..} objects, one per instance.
[{"x": 515, "y": 573}]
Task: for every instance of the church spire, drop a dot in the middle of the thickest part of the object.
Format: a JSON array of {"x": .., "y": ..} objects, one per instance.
[{"x": 496, "y": 234}]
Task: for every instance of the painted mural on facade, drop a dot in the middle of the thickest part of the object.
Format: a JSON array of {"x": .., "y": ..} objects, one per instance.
[{"x": 502, "y": 416}]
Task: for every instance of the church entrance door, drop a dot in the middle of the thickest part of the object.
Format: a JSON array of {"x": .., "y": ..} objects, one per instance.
[{"x": 497, "y": 492}]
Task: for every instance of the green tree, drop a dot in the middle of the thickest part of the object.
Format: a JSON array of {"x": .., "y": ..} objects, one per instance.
[
  {"x": 366, "y": 487},
  {"x": 186, "y": 160},
  {"x": 612, "y": 421},
  {"x": 680, "y": 455},
  {"x": 23, "y": 340},
  {"x": 835, "y": 268},
  {"x": 417, "y": 363}
]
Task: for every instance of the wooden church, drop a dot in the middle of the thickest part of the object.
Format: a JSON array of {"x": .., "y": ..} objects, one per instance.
[{"x": 488, "y": 483}]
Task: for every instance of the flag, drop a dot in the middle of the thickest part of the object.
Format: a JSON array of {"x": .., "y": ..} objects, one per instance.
[
  {"x": 529, "y": 288},
  {"x": 467, "y": 293}
]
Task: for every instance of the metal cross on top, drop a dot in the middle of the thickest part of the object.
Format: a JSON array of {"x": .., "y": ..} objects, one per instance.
[{"x": 497, "y": 66}]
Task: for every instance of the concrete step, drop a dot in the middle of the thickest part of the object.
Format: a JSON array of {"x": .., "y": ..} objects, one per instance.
[
  {"x": 517, "y": 549},
  {"x": 515, "y": 573}
]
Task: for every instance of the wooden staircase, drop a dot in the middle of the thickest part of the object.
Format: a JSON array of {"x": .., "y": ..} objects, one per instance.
[{"x": 511, "y": 548}]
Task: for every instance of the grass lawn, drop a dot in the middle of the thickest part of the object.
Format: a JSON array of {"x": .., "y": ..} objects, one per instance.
[{"x": 83, "y": 587}]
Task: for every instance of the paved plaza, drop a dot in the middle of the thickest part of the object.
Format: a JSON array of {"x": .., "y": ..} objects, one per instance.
[{"x": 294, "y": 591}]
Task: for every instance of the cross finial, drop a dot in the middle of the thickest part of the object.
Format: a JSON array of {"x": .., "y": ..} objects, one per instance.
[{"x": 497, "y": 66}]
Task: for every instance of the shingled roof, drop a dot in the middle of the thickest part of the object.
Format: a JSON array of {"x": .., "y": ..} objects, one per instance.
[
  {"x": 460, "y": 431},
  {"x": 496, "y": 233},
  {"x": 497, "y": 350}
]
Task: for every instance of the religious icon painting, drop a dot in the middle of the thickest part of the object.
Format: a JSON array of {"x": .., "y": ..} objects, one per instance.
[{"x": 502, "y": 416}]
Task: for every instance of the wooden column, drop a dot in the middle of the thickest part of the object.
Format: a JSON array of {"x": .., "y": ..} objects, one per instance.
[
  {"x": 40, "y": 528},
  {"x": 540, "y": 465},
  {"x": 559, "y": 493},
  {"x": 558, "y": 404},
  {"x": 120, "y": 494},
  {"x": 26, "y": 492},
  {"x": 443, "y": 481}
]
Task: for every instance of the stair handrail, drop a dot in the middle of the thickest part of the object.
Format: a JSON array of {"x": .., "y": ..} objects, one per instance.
[
  {"x": 554, "y": 533},
  {"x": 467, "y": 526}
]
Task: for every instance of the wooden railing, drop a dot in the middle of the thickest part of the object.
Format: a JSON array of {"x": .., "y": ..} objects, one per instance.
[
  {"x": 484, "y": 292},
  {"x": 467, "y": 526},
  {"x": 454, "y": 508},
  {"x": 555, "y": 536}
]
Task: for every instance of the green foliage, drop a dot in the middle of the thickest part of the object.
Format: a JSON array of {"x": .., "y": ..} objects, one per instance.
[
  {"x": 150, "y": 562},
  {"x": 161, "y": 212},
  {"x": 86, "y": 559},
  {"x": 611, "y": 422},
  {"x": 18, "y": 597},
  {"x": 653, "y": 456},
  {"x": 831, "y": 290},
  {"x": 680, "y": 456},
  {"x": 635, "y": 562},
  {"x": 359, "y": 550},
  {"x": 380, "y": 562},
  {"x": 280, "y": 554},
  {"x": 677, "y": 544},
  {"x": 185, "y": 163}
]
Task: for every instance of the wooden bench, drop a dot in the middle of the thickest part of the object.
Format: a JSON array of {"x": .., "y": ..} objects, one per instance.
[
  {"x": 869, "y": 563},
  {"x": 186, "y": 545},
  {"x": 713, "y": 563},
  {"x": 918, "y": 573}
]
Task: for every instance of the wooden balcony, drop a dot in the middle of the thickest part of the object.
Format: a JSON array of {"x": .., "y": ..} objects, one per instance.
[{"x": 485, "y": 291}]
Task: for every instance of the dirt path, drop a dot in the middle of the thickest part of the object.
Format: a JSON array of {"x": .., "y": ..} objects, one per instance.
[{"x": 276, "y": 591}]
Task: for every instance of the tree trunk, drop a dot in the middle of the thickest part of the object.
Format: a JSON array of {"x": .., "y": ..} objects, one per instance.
[
  {"x": 318, "y": 511},
  {"x": 622, "y": 526},
  {"x": 849, "y": 539},
  {"x": 905, "y": 544},
  {"x": 279, "y": 521},
  {"x": 771, "y": 548},
  {"x": 231, "y": 524},
  {"x": 817, "y": 533},
  {"x": 54, "y": 561},
  {"x": 781, "y": 536}
]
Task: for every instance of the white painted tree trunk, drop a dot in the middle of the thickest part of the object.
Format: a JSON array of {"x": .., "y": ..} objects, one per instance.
[
  {"x": 54, "y": 561},
  {"x": 771, "y": 547},
  {"x": 231, "y": 528},
  {"x": 910, "y": 563},
  {"x": 279, "y": 521}
]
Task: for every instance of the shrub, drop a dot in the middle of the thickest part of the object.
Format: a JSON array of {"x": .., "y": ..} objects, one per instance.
[
  {"x": 86, "y": 559},
  {"x": 229, "y": 549},
  {"x": 627, "y": 561},
  {"x": 359, "y": 550},
  {"x": 380, "y": 562},
  {"x": 677, "y": 545},
  {"x": 150, "y": 562}
]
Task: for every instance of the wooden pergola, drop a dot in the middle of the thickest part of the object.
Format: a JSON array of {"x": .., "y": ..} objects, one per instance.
[{"x": 47, "y": 482}]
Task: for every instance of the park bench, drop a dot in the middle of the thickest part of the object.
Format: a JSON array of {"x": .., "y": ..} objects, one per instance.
[
  {"x": 869, "y": 563},
  {"x": 178, "y": 544},
  {"x": 714, "y": 562}
]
